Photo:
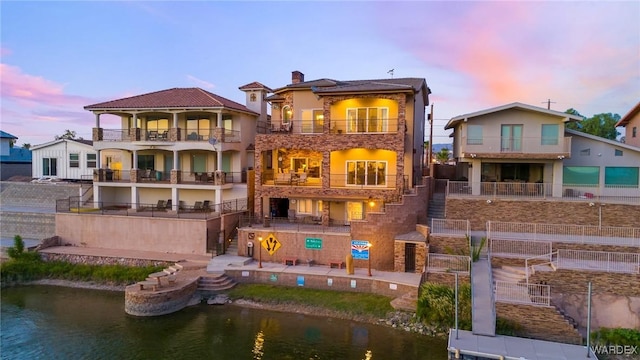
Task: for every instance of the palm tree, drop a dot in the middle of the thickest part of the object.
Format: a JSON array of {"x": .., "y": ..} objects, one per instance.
[{"x": 443, "y": 156}]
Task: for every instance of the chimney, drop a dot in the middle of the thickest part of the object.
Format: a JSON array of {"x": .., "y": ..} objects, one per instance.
[{"x": 297, "y": 77}]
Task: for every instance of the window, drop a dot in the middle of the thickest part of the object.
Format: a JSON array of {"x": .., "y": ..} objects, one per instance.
[
  {"x": 305, "y": 206},
  {"x": 299, "y": 165},
  {"x": 581, "y": 175},
  {"x": 312, "y": 121},
  {"x": 199, "y": 163},
  {"x": 159, "y": 124},
  {"x": 474, "y": 135},
  {"x": 91, "y": 161},
  {"x": 585, "y": 152},
  {"x": 360, "y": 120},
  {"x": 49, "y": 167},
  {"x": 511, "y": 138},
  {"x": 146, "y": 162},
  {"x": 634, "y": 131},
  {"x": 370, "y": 173},
  {"x": 198, "y": 128},
  {"x": 618, "y": 152},
  {"x": 550, "y": 134},
  {"x": 74, "y": 160},
  {"x": 621, "y": 176},
  {"x": 287, "y": 114}
]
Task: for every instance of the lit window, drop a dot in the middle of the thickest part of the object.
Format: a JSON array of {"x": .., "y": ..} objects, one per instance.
[
  {"x": 371, "y": 173},
  {"x": 363, "y": 120}
]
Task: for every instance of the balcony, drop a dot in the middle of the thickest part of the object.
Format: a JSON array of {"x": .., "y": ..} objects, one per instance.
[
  {"x": 511, "y": 147},
  {"x": 158, "y": 177},
  {"x": 169, "y": 135},
  {"x": 336, "y": 180},
  {"x": 338, "y": 127}
]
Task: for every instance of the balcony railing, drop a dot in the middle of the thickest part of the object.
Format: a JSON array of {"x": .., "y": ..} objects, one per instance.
[
  {"x": 187, "y": 134},
  {"x": 525, "y": 294},
  {"x": 448, "y": 263},
  {"x": 581, "y": 234},
  {"x": 605, "y": 261},
  {"x": 336, "y": 126},
  {"x": 187, "y": 177},
  {"x": 450, "y": 227},
  {"x": 519, "y": 189},
  {"x": 517, "y": 145},
  {"x": 519, "y": 249}
]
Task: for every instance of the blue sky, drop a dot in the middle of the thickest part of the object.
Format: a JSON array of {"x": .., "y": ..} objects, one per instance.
[{"x": 57, "y": 57}]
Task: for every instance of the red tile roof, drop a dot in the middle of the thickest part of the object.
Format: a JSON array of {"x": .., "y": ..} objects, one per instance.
[
  {"x": 255, "y": 85},
  {"x": 628, "y": 116},
  {"x": 176, "y": 98}
]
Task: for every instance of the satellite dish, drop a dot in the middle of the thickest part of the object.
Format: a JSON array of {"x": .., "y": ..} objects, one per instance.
[{"x": 213, "y": 140}]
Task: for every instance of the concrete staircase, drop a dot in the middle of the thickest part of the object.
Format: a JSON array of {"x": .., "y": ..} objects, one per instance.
[
  {"x": 510, "y": 274},
  {"x": 214, "y": 283},
  {"x": 437, "y": 207},
  {"x": 406, "y": 302}
]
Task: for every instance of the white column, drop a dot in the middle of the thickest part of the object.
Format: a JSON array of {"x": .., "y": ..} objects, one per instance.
[
  {"x": 98, "y": 160},
  {"x": 97, "y": 120},
  {"x": 174, "y": 199},
  {"x": 97, "y": 196},
  {"x": 175, "y": 120},
  {"x": 557, "y": 179},
  {"x": 135, "y": 160},
  {"x": 134, "y": 197},
  {"x": 175, "y": 160},
  {"x": 219, "y": 152},
  {"x": 476, "y": 176}
]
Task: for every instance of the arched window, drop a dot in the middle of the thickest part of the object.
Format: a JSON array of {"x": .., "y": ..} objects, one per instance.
[{"x": 287, "y": 114}]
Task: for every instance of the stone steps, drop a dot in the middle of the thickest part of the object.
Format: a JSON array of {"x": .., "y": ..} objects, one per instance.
[
  {"x": 215, "y": 283},
  {"x": 509, "y": 274}
]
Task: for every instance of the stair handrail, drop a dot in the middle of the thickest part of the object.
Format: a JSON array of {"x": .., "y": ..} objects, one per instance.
[{"x": 526, "y": 262}]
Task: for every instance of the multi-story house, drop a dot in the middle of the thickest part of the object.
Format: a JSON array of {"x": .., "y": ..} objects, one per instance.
[
  {"x": 519, "y": 150},
  {"x": 336, "y": 151},
  {"x": 183, "y": 144},
  {"x": 172, "y": 176},
  {"x": 631, "y": 123},
  {"x": 511, "y": 149}
]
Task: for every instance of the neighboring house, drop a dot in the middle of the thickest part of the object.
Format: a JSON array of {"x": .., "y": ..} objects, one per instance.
[
  {"x": 68, "y": 159},
  {"x": 13, "y": 161},
  {"x": 338, "y": 156},
  {"x": 631, "y": 123},
  {"x": 514, "y": 143},
  {"x": 186, "y": 145},
  {"x": 601, "y": 167}
]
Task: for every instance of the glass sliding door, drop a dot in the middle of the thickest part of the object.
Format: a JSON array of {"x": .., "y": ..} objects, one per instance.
[{"x": 511, "y": 138}]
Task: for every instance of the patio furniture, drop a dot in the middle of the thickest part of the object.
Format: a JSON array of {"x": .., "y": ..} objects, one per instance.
[
  {"x": 206, "y": 205},
  {"x": 300, "y": 179},
  {"x": 198, "y": 206},
  {"x": 284, "y": 178},
  {"x": 161, "y": 205}
]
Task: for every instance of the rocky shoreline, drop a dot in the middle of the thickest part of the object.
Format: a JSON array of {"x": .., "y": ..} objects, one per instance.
[{"x": 400, "y": 320}]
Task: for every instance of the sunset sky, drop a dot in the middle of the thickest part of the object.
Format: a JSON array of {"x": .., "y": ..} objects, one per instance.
[{"x": 57, "y": 57}]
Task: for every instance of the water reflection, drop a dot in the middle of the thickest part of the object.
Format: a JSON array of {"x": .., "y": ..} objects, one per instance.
[{"x": 61, "y": 323}]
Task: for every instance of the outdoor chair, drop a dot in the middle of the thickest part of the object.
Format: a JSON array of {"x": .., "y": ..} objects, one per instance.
[
  {"x": 198, "y": 206},
  {"x": 161, "y": 205},
  {"x": 206, "y": 205}
]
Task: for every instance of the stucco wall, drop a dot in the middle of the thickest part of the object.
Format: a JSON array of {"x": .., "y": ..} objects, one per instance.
[{"x": 185, "y": 236}]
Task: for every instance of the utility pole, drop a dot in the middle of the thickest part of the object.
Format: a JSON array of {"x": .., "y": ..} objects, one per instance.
[
  {"x": 549, "y": 102},
  {"x": 430, "y": 142}
]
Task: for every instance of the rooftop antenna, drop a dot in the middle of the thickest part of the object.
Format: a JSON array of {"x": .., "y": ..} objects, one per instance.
[{"x": 390, "y": 72}]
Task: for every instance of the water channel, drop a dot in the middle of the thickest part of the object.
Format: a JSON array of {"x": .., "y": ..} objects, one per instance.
[{"x": 48, "y": 322}]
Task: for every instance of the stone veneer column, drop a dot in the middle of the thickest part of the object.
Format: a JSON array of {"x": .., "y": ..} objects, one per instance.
[
  {"x": 97, "y": 134},
  {"x": 174, "y": 134},
  {"x": 134, "y": 134},
  {"x": 257, "y": 205},
  {"x": 133, "y": 174},
  {"x": 176, "y": 176}
]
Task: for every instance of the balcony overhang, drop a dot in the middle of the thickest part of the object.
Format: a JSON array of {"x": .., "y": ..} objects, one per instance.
[{"x": 516, "y": 156}]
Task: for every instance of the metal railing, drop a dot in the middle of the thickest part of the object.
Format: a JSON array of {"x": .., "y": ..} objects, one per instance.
[
  {"x": 581, "y": 234},
  {"x": 540, "y": 260},
  {"x": 201, "y": 209},
  {"x": 335, "y": 126},
  {"x": 450, "y": 227},
  {"x": 606, "y": 261},
  {"x": 525, "y": 294},
  {"x": 520, "y": 189},
  {"x": 291, "y": 224},
  {"x": 519, "y": 249},
  {"x": 448, "y": 263},
  {"x": 116, "y": 135}
]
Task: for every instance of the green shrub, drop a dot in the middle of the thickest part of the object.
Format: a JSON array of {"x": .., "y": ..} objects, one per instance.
[
  {"x": 617, "y": 336},
  {"x": 507, "y": 327},
  {"x": 436, "y": 305}
]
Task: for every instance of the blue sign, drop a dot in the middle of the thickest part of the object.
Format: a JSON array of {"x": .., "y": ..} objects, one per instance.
[
  {"x": 360, "y": 249},
  {"x": 300, "y": 280}
]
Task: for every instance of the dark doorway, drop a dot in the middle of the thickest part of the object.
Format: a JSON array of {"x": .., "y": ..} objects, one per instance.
[
  {"x": 409, "y": 257},
  {"x": 279, "y": 207}
]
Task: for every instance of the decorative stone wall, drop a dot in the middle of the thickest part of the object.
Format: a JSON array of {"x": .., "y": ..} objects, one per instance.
[
  {"x": 458, "y": 245},
  {"x": 576, "y": 282},
  {"x": 477, "y": 211},
  {"x": 146, "y": 303},
  {"x": 321, "y": 281},
  {"x": 447, "y": 278},
  {"x": 27, "y": 225},
  {"x": 102, "y": 260},
  {"x": 539, "y": 322},
  {"x": 399, "y": 264}
]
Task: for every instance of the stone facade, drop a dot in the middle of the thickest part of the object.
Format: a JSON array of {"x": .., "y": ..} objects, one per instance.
[
  {"x": 478, "y": 212},
  {"x": 399, "y": 264},
  {"x": 101, "y": 260},
  {"x": 145, "y": 303},
  {"x": 447, "y": 278},
  {"x": 539, "y": 322},
  {"x": 448, "y": 244}
]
